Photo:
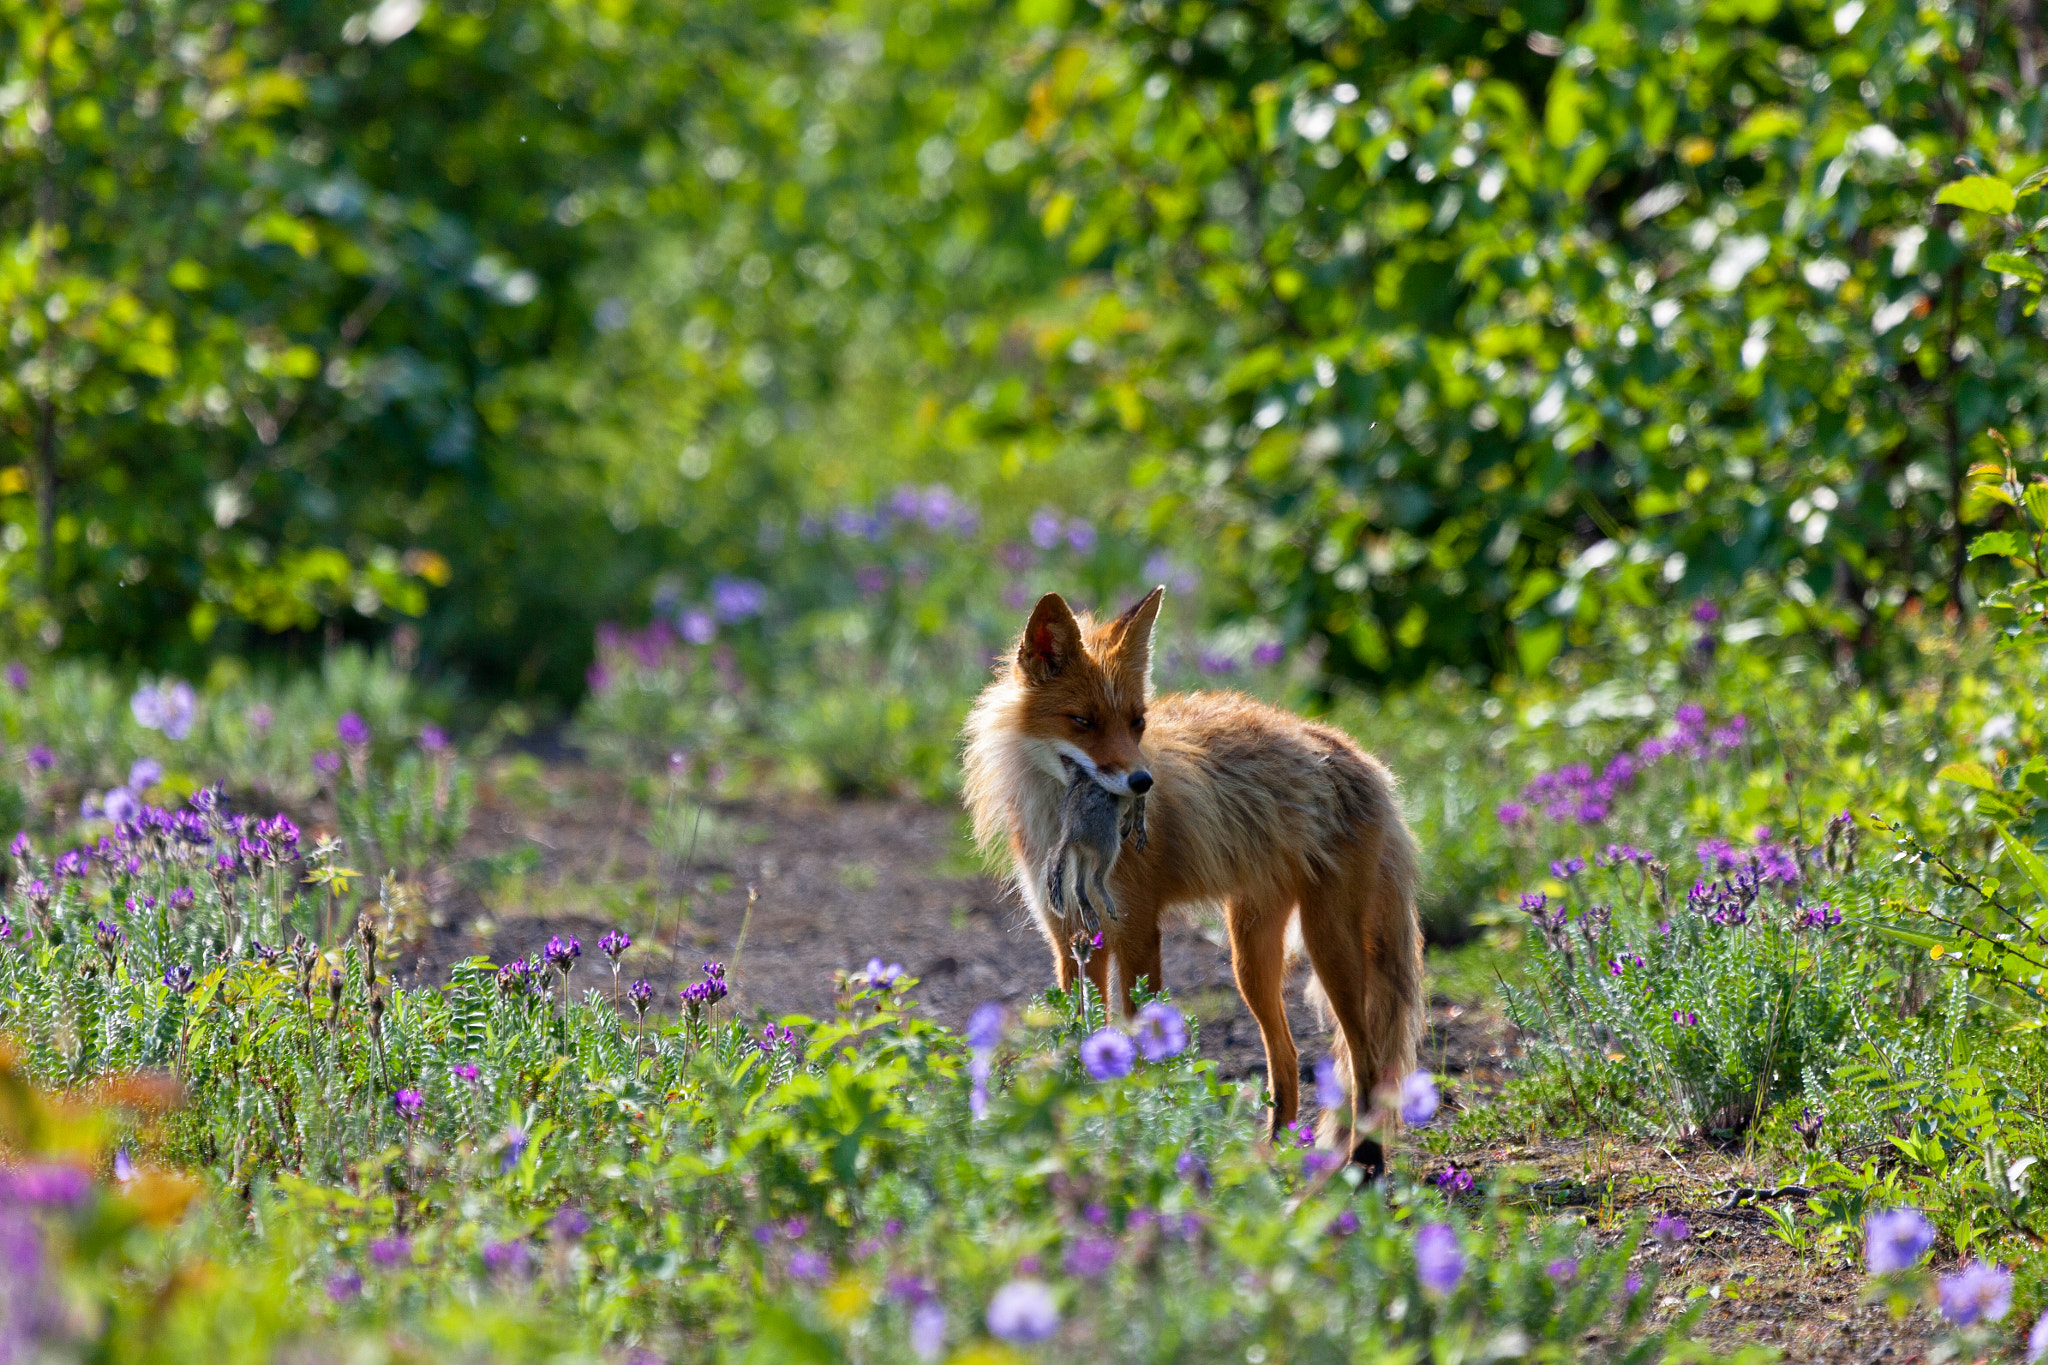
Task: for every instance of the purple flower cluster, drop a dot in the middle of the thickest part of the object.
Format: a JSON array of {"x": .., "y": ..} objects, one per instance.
[
  {"x": 519, "y": 977},
  {"x": 615, "y": 943},
  {"x": 1576, "y": 792},
  {"x": 703, "y": 994},
  {"x": 1818, "y": 915},
  {"x": 561, "y": 953},
  {"x": 934, "y": 507},
  {"x": 774, "y": 1036},
  {"x": 880, "y": 976},
  {"x": 1454, "y": 1180},
  {"x": 984, "y": 1031},
  {"x": 641, "y": 995},
  {"x": 168, "y": 708},
  {"x": 408, "y": 1104},
  {"x": 1670, "y": 1229}
]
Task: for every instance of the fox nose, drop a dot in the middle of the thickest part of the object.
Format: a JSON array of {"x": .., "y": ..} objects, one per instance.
[{"x": 1140, "y": 782}]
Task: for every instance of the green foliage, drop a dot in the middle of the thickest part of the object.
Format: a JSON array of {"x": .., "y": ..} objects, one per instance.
[
  {"x": 1440, "y": 304},
  {"x": 1431, "y": 336}
]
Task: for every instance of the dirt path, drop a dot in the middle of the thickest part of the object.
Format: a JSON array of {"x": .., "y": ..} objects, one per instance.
[{"x": 563, "y": 851}]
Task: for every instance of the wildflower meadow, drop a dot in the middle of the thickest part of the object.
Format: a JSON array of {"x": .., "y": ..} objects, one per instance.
[{"x": 506, "y": 507}]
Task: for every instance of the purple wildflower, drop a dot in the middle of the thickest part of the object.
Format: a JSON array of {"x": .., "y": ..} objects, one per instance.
[
  {"x": 40, "y": 759},
  {"x": 1108, "y": 1054},
  {"x": 387, "y": 1252},
  {"x": 615, "y": 943},
  {"x": 1088, "y": 1257},
  {"x": 505, "y": 1259},
  {"x": 1670, "y": 1229},
  {"x": 1418, "y": 1099},
  {"x": 1161, "y": 1032},
  {"x": 352, "y": 730},
  {"x": 736, "y": 599},
  {"x": 433, "y": 738},
  {"x": 1330, "y": 1090},
  {"x": 1454, "y": 1180},
  {"x": 1563, "y": 1270},
  {"x": 344, "y": 1286},
  {"x": 1895, "y": 1240},
  {"x": 561, "y": 953},
  {"x": 46, "y": 1184},
  {"x": 928, "y": 1331},
  {"x": 1979, "y": 1292},
  {"x": 408, "y": 1105},
  {"x": 1512, "y": 813},
  {"x": 640, "y": 994},
  {"x": 570, "y": 1224},
  {"x": 1023, "y": 1311},
  {"x": 1439, "y": 1261},
  {"x": 466, "y": 1072}
]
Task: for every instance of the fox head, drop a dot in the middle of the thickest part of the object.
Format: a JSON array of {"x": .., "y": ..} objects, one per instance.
[{"x": 1085, "y": 688}]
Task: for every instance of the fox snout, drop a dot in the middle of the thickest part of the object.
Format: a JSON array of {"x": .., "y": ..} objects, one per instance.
[{"x": 1139, "y": 782}]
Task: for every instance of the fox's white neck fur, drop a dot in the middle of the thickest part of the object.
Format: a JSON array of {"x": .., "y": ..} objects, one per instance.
[{"x": 1014, "y": 784}]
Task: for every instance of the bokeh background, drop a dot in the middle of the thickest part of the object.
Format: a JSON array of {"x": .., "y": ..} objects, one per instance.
[{"x": 1395, "y": 337}]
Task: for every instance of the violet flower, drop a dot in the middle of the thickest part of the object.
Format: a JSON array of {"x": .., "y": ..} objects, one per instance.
[
  {"x": 1023, "y": 1311},
  {"x": 1108, "y": 1054}
]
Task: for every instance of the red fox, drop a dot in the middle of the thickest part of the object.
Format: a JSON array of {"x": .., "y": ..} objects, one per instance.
[{"x": 1271, "y": 816}]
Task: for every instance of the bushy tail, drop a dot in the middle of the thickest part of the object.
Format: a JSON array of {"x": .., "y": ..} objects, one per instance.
[{"x": 1364, "y": 938}]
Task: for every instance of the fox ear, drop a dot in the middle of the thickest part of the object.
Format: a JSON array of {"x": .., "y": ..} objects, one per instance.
[
  {"x": 1052, "y": 640},
  {"x": 1130, "y": 634}
]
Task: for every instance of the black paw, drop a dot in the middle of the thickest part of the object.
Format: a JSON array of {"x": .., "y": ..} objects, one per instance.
[{"x": 1369, "y": 1156}]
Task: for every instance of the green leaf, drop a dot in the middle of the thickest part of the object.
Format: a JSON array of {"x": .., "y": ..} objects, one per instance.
[
  {"x": 1536, "y": 646},
  {"x": 2030, "y": 863},
  {"x": 1996, "y": 543},
  {"x": 2012, "y": 263},
  {"x": 1915, "y": 938},
  {"x": 1970, "y": 775},
  {"x": 1984, "y": 193}
]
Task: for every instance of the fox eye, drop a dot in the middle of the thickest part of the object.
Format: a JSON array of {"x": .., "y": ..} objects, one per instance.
[
  {"x": 1138, "y": 725},
  {"x": 1082, "y": 722}
]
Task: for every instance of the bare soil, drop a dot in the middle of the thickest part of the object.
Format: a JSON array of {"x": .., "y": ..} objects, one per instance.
[{"x": 563, "y": 850}]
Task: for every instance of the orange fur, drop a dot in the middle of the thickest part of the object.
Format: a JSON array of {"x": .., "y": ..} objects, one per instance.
[{"x": 1261, "y": 812}]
